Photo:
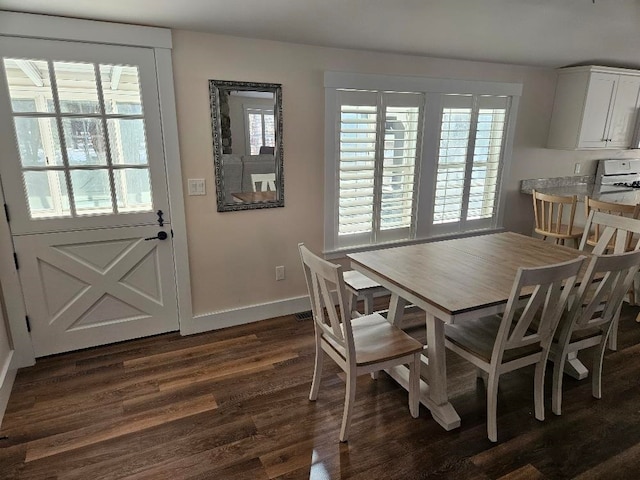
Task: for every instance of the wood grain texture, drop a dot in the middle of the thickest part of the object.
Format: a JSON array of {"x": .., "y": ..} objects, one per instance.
[{"x": 100, "y": 414}]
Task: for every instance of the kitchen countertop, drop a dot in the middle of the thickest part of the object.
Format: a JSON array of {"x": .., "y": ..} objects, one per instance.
[{"x": 581, "y": 187}]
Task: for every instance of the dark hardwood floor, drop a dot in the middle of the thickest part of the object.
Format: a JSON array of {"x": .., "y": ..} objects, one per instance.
[{"x": 232, "y": 404}]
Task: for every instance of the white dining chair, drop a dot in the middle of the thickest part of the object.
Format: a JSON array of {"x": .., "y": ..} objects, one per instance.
[
  {"x": 359, "y": 345},
  {"x": 617, "y": 234},
  {"x": 499, "y": 344},
  {"x": 590, "y": 317}
]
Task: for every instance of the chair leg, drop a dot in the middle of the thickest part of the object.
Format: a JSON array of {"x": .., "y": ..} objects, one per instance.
[
  {"x": 368, "y": 303},
  {"x": 353, "y": 305},
  {"x": 596, "y": 375},
  {"x": 414, "y": 386},
  {"x": 556, "y": 392},
  {"x": 492, "y": 406},
  {"x": 613, "y": 333},
  {"x": 317, "y": 371},
  {"x": 538, "y": 388},
  {"x": 349, "y": 400}
]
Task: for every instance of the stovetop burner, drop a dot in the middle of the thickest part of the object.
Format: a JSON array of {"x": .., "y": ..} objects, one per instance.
[{"x": 634, "y": 184}]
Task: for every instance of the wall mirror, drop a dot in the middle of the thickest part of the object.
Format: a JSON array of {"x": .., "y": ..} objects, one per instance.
[{"x": 246, "y": 119}]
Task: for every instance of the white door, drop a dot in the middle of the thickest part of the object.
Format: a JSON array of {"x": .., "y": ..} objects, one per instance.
[{"x": 84, "y": 178}]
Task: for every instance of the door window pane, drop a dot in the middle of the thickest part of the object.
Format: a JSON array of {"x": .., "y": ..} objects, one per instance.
[
  {"x": 47, "y": 193},
  {"x": 121, "y": 89},
  {"x": 133, "y": 190},
  {"x": 91, "y": 191},
  {"x": 85, "y": 141},
  {"x": 88, "y": 177},
  {"x": 29, "y": 85},
  {"x": 77, "y": 88},
  {"x": 38, "y": 141},
  {"x": 127, "y": 141}
]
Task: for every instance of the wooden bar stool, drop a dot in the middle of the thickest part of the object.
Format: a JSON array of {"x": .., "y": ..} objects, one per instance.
[{"x": 361, "y": 286}]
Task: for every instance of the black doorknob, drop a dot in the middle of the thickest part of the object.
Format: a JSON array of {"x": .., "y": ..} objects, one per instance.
[{"x": 161, "y": 236}]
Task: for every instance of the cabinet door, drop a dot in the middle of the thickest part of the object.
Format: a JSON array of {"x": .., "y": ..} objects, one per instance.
[
  {"x": 600, "y": 95},
  {"x": 623, "y": 114}
]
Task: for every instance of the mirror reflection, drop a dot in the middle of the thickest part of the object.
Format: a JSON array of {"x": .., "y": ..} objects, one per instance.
[{"x": 247, "y": 128}]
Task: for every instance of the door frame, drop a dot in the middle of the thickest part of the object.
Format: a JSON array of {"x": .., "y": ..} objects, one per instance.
[{"x": 46, "y": 27}]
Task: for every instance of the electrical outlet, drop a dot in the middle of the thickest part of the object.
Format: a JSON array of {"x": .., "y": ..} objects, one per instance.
[
  {"x": 576, "y": 168},
  {"x": 280, "y": 272}
]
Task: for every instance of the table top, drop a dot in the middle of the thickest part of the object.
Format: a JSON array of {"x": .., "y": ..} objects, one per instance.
[
  {"x": 255, "y": 197},
  {"x": 463, "y": 274}
]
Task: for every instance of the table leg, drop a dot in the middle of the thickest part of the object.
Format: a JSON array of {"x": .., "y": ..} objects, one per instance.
[{"x": 396, "y": 310}]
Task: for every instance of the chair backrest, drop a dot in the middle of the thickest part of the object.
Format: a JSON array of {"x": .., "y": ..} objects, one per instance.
[
  {"x": 549, "y": 210},
  {"x": 549, "y": 287},
  {"x": 621, "y": 209},
  {"x": 322, "y": 278},
  {"x": 614, "y": 231},
  {"x": 602, "y": 290},
  {"x": 262, "y": 182}
]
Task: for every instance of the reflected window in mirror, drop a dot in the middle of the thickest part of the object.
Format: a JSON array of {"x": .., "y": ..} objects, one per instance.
[{"x": 247, "y": 141}]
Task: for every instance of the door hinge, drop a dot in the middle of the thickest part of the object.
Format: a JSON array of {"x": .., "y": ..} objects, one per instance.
[
  {"x": 15, "y": 260},
  {"x": 6, "y": 212},
  {"x": 172, "y": 233},
  {"x": 26, "y": 317}
]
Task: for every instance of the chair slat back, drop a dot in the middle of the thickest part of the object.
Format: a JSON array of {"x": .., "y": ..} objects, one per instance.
[
  {"x": 618, "y": 209},
  {"x": 323, "y": 278},
  {"x": 616, "y": 233},
  {"x": 602, "y": 289},
  {"x": 548, "y": 211},
  {"x": 551, "y": 286}
]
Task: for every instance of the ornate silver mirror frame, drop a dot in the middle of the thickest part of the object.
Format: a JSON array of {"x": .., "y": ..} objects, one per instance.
[{"x": 249, "y": 169}]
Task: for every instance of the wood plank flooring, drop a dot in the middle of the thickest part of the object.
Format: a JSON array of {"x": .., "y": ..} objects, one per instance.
[{"x": 232, "y": 404}]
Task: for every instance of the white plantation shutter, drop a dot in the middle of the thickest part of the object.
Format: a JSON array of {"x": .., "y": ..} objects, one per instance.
[
  {"x": 490, "y": 131},
  {"x": 401, "y": 141},
  {"x": 469, "y": 157},
  {"x": 357, "y": 133},
  {"x": 452, "y": 158},
  {"x": 379, "y": 139}
]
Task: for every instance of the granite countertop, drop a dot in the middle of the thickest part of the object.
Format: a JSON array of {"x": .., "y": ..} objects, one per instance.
[{"x": 581, "y": 187}]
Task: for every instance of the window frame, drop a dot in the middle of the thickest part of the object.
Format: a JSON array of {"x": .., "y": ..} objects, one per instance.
[{"x": 433, "y": 90}]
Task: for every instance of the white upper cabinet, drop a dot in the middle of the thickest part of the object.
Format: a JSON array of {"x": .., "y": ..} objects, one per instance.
[{"x": 595, "y": 108}]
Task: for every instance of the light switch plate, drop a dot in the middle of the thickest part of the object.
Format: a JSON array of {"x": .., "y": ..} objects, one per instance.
[{"x": 196, "y": 186}]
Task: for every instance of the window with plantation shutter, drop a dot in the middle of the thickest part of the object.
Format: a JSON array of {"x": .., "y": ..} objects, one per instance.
[
  {"x": 414, "y": 159},
  {"x": 470, "y": 151},
  {"x": 378, "y": 146}
]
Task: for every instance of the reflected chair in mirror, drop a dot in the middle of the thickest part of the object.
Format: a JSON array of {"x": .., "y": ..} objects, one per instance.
[
  {"x": 263, "y": 182},
  {"x": 631, "y": 211},
  {"x": 498, "y": 344},
  {"x": 554, "y": 216},
  {"x": 590, "y": 317},
  {"x": 359, "y": 345}
]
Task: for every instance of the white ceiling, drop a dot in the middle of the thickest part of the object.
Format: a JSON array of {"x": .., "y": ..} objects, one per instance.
[{"x": 550, "y": 33}]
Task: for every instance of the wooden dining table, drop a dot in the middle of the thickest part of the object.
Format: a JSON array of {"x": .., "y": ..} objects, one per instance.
[{"x": 452, "y": 280}]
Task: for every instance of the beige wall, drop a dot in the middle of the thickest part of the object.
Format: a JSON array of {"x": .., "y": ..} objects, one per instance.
[{"x": 233, "y": 255}]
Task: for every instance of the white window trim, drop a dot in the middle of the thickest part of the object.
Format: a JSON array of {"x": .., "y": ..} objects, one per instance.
[
  {"x": 433, "y": 89},
  {"x": 47, "y": 27}
]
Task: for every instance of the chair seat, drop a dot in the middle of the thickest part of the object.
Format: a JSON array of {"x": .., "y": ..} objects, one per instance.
[
  {"x": 553, "y": 232},
  {"x": 478, "y": 336},
  {"x": 359, "y": 282},
  {"x": 375, "y": 339}
]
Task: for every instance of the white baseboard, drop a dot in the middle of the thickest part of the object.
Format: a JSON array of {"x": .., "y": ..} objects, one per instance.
[
  {"x": 7, "y": 376},
  {"x": 240, "y": 316}
]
